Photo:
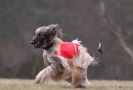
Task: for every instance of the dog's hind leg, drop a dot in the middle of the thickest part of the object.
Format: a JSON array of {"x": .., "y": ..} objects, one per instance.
[{"x": 79, "y": 69}]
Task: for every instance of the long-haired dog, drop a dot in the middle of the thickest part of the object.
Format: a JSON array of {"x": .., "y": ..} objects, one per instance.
[{"x": 64, "y": 60}]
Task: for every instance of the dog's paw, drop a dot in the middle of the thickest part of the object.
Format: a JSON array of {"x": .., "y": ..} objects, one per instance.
[{"x": 39, "y": 77}]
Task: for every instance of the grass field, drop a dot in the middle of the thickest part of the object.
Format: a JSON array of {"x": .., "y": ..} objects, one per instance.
[{"x": 17, "y": 84}]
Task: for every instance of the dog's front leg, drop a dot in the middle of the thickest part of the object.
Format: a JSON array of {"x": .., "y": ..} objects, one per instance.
[
  {"x": 53, "y": 71},
  {"x": 43, "y": 74}
]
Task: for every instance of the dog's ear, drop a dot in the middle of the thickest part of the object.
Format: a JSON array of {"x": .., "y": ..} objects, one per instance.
[{"x": 55, "y": 28}]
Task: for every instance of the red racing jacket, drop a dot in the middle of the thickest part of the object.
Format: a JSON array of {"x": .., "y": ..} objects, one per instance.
[{"x": 69, "y": 49}]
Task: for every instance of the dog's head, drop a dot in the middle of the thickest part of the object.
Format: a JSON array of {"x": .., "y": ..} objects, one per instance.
[{"x": 44, "y": 36}]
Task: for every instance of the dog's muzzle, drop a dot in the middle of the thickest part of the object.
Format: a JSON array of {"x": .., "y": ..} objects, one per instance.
[{"x": 37, "y": 43}]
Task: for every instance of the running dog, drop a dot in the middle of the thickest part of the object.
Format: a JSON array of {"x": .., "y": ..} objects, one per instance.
[{"x": 63, "y": 60}]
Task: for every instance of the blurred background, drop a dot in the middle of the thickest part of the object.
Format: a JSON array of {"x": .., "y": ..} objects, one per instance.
[{"x": 92, "y": 21}]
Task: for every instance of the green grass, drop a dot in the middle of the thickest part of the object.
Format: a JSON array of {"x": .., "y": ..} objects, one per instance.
[{"x": 17, "y": 84}]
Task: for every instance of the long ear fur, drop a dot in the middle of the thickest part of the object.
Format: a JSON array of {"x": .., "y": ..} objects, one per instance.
[{"x": 57, "y": 29}]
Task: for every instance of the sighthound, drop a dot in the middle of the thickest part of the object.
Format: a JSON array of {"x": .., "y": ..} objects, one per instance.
[{"x": 64, "y": 60}]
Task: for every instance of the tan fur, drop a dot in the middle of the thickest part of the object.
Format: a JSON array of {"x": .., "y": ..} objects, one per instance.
[{"x": 73, "y": 71}]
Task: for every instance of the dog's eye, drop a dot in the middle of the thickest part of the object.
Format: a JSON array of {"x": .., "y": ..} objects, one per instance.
[
  {"x": 39, "y": 35},
  {"x": 54, "y": 28}
]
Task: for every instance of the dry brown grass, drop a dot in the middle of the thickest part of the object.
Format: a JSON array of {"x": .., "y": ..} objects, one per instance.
[{"x": 17, "y": 84}]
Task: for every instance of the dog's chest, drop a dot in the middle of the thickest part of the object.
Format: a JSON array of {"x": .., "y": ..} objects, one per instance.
[{"x": 69, "y": 50}]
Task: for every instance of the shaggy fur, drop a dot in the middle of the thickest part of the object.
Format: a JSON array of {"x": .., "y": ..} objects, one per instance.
[{"x": 59, "y": 68}]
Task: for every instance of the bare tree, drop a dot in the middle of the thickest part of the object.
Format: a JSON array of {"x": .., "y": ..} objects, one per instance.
[{"x": 114, "y": 29}]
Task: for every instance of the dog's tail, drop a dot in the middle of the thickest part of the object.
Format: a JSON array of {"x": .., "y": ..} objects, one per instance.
[{"x": 97, "y": 55}]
